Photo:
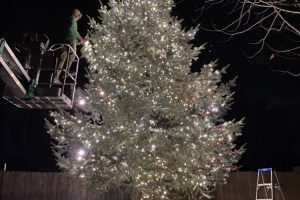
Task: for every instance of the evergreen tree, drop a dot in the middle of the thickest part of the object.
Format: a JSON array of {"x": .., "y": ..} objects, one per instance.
[{"x": 161, "y": 129}]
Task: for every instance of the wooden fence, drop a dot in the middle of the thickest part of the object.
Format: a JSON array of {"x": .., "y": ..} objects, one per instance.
[
  {"x": 49, "y": 186},
  {"x": 59, "y": 186}
]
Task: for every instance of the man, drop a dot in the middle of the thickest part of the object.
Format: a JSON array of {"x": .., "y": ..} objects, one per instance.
[{"x": 71, "y": 37}]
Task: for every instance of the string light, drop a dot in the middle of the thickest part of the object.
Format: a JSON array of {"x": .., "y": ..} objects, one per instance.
[
  {"x": 81, "y": 152},
  {"x": 81, "y": 102}
]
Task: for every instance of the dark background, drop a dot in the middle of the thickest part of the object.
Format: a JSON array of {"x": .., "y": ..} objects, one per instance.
[{"x": 269, "y": 101}]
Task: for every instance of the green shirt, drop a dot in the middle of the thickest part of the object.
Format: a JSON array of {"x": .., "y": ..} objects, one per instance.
[{"x": 72, "y": 34}]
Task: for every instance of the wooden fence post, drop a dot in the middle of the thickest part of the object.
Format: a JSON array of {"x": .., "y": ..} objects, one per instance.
[{"x": 135, "y": 195}]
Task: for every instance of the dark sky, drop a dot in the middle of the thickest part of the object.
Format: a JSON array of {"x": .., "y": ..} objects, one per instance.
[{"x": 269, "y": 101}]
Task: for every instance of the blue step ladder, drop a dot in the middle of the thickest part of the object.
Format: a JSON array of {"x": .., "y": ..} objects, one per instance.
[{"x": 267, "y": 181}]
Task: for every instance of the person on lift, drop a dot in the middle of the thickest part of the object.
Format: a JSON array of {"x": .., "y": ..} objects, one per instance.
[{"x": 71, "y": 37}]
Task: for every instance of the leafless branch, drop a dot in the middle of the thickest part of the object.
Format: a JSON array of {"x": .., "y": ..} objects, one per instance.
[{"x": 270, "y": 19}]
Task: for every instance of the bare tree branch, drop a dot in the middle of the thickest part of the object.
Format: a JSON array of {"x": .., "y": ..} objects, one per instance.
[{"x": 271, "y": 20}]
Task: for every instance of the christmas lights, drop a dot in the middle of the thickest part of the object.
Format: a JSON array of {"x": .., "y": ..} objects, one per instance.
[{"x": 161, "y": 129}]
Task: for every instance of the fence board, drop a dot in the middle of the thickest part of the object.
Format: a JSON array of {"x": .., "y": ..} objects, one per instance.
[
  {"x": 1, "y": 181},
  {"x": 290, "y": 184},
  {"x": 38, "y": 186},
  {"x": 27, "y": 189},
  {"x": 117, "y": 195},
  {"x": 8, "y": 185},
  {"x": 251, "y": 184},
  {"x": 76, "y": 190},
  {"x": 62, "y": 187},
  {"x": 93, "y": 194},
  {"x": 33, "y": 191},
  {"x": 19, "y": 186},
  {"x": 42, "y": 185},
  {"x": 51, "y": 188}
]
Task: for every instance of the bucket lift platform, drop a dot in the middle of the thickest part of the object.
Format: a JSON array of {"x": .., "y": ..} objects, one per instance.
[
  {"x": 40, "y": 102},
  {"x": 12, "y": 72},
  {"x": 47, "y": 94}
]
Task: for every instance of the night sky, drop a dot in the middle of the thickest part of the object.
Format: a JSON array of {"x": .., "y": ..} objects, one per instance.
[{"x": 269, "y": 101}]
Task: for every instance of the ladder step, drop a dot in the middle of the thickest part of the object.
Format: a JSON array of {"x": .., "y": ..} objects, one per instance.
[
  {"x": 263, "y": 199},
  {"x": 264, "y": 184},
  {"x": 264, "y": 170}
]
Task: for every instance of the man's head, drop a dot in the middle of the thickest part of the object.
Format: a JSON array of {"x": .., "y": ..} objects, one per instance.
[{"x": 77, "y": 14}]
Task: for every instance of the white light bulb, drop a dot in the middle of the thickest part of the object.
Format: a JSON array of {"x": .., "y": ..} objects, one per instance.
[
  {"x": 81, "y": 152},
  {"x": 81, "y": 102}
]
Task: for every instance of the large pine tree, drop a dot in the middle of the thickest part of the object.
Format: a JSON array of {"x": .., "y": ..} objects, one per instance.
[{"x": 161, "y": 128}]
